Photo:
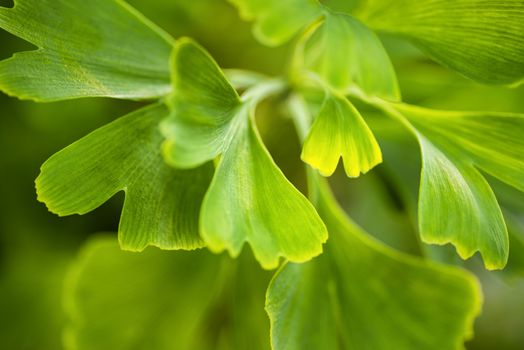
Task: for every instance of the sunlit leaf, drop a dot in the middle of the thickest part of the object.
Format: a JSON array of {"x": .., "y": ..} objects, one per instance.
[
  {"x": 340, "y": 131},
  {"x": 456, "y": 203},
  {"x": 345, "y": 53},
  {"x": 164, "y": 300},
  {"x": 276, "y": 21},
  {"x": 362, "y": 295},
  {"x": 482, "y": 39},
  {"x": 85, "y": 48},
  {"x": 249, "y": 199},
  {"x": 162, "y": 204}
]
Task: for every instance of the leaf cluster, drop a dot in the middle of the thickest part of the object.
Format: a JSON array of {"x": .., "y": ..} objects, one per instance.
[{"x": 196, "y": 173}]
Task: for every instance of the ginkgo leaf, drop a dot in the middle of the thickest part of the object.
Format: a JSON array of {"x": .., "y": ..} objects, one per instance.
[
  {"x": 163, "y": 300},
  {"x": 162, "y": 204},
  {"x": 204, "y": 106},
  {"x": 345, "y": 53},
  {"x": 456, "y": 203},
  {"x": 276, "y": 21},
  {"x": 482, "y": 39},
  {"x": 339, "y": 130},
  {"x": 249, "y": 199},
  {"x": 85, "y": 48},
  {"x": 362, "y": 295},
  {"x": 493, "y": 141}
]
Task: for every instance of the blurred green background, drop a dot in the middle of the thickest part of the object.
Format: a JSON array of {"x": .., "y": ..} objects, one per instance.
[{"x": 37, "y": 247}]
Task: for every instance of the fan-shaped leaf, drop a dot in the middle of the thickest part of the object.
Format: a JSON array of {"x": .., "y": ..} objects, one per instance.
[
  {"x": 276, "y": 21},
  {"x": 361, "y": 295},
  {"x": 482, "y": 39},
  {"x": 249, "y": 198},
  {"x": 85, "y": 48},
  {"x": 162, "y": 204},
  {"x": 345, "y": 53},
  {"x": 339, "y": 130},
  {"x": 456, "y": 203}
]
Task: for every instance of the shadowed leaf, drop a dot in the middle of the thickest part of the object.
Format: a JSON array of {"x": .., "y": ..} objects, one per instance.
[
  {"x": 163, "y": 300},
  {"x": 362, "y": 295}
]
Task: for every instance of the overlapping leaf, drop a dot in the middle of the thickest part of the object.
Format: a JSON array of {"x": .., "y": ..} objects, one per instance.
[
  {"x": 340, "y": 131},
  {"x": 361, "y": 295},
  {"x": 345, "y": 53},
  {"x": 276, "y": 21},
  {"x": 456, "y": 203},
  {"x": 249, "y": 198},
  {"x": 482, "y": 39},
  {"x": 85, "y": 48},
  {"x": 161, "y": 300},
  {"x": 162, "y": 204}
]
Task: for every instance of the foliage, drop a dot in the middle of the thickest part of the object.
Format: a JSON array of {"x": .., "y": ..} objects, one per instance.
[{"x": 197, "y": 172}]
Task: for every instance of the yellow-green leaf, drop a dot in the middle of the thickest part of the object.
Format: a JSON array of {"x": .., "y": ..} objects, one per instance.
[
  {"x": 340, "y": 131},
  {"x": 277, "y": 21},
  {"x": 456, "y": 203},
  {"x": 249, "y": 199}
]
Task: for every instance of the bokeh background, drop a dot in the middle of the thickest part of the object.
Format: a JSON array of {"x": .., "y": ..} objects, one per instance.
[{"x": 36, "y": 247}]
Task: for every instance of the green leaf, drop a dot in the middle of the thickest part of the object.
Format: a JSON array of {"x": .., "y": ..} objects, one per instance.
[
  {"x": 457, "y": 205},
  {"x": 162, "y": 204},
  {"x": 481, "y": 39},
  {"x": 512, "y": 204},
  {"x": 249, "y": 198},
  {"x": 454, "y": 145},
  {"x": 346, "y": 54},
  {"x": 277, "y": 21},
  {"x": 163, "y": 300},
  {"x": 339, "y": 130},
  {"x": 491, "y": 140},
  {"x": 85, "y": 48},
  {"x": 362, "y": 295},
  {"x": 203, "y": 108}
]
